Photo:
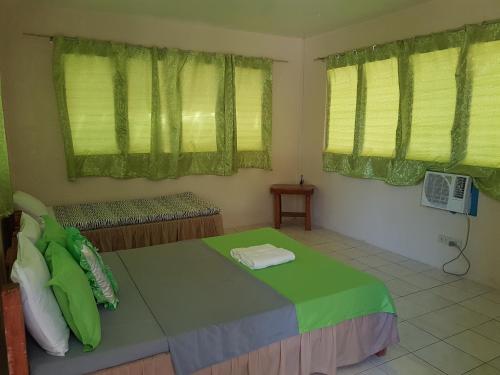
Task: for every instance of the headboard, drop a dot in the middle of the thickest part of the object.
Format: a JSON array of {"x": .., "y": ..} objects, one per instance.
[{"x": 12, "y": 309}]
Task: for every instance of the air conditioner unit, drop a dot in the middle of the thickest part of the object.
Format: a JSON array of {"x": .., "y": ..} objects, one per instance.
[{"x": 446, "y": 191}]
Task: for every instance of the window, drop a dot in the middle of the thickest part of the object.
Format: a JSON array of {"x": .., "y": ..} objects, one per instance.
[
  {"x": 434, "y": 100},
  {"x": 249, "y": 88},
  {"x": 130, "y": 111},
  {"x": 90, "y": 103},
  {"x": 343, "y": 83},
  {"x": 382, "y": 108},
  {"x": 430, "y": 102},
  {"x": 139, "y": 104},
  {"x": 199, "y": 87},
  {"x": 483, "y": 145}
]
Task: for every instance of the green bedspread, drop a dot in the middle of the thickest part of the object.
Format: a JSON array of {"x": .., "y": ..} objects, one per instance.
[{"x": 325, "y": 292}]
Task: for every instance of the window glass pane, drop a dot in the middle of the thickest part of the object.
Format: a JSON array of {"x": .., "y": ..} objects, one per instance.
[
  {"x": 483, "y": 146},
  {"x": 434, "y": 100},
  {"x": 164, "y": 131},
  {"x": 342, "y": 109},
  {"x": 139, "y": 104},
  {"x": 249, "y": 85},
  {"x": 199, "y": 86},
  {"x": 90, "y": 102},
  {"x": 382, "y": 108}
]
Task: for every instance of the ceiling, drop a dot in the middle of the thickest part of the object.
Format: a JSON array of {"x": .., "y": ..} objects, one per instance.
[{"x": 298, "y": 18}]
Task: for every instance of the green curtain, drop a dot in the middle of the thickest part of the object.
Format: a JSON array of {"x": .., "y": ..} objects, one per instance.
[
  {"x": 130, "y": 111},
  {"x": 447, "y": 115},
  {"x": 5, "y": 186}
]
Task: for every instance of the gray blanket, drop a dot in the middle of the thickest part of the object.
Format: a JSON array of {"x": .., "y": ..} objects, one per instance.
[
  {"x": 184, "y": 298},
  {"x": 129, "y": 333},
  {"x": 209, "y": 309}
]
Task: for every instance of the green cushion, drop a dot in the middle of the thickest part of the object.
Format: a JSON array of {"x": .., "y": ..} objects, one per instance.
[
  {"x": 102, "y": 281},
  {"x": 52, "y": 231},
  {"x": 74, "y": 296}
]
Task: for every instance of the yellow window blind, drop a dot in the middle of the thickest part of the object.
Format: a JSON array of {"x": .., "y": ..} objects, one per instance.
[
  {"x": 433, "y": 109},
  {"x": 90, "y": 103},
  {"x": 343, "y": 83},
  {"x": 483, "y": 146},
  {"x": 249, "y": 85},
  {"x": 199, "y": 86},
  {"x": 139, "y": 104},
  {"x": 382, "y": 108}
]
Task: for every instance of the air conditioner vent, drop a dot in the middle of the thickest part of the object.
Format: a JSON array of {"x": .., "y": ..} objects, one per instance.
[
  {"x": 437, "y": 190},
  {"x": 447, "y": 191}
]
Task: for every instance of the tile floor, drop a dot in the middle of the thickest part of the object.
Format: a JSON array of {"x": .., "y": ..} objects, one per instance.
[{"x": 447, "y": 325}]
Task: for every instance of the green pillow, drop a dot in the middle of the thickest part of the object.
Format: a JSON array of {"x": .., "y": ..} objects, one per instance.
[
  {"x": 74, "y": 296},
  {"x": 52, "y": 231},
  {"x": 102, "y": 281}
]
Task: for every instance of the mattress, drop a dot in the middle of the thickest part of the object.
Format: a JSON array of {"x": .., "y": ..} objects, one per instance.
[
  {"x": 88, "y": 216},
  {"x": 129, "y": 333},
  {"x": 188, "y": 299}
]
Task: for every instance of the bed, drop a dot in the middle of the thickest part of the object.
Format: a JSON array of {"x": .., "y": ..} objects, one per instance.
[
  {"x": 128, "y": 224},
  {"x": 187, "y": 308}
]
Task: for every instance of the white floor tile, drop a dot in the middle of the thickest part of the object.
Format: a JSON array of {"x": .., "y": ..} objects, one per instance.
[
  {"x": 416, "y": 266},
  {"x": 357, "y": 368},
  {"x": 489, "y": 329},
  {"x": 471, "y": 286},
  {"x": 331, "y": 246},
  {"x": 409, "y": 364},
  {"x": 421, "y": 281},
  {"x": 379, "y": 274},
  {"x": 493, "y": 296},
  {"x": 418, "y": 304},
  {"x": 374, "y": 261},
  {"x": 393, "y": 257},
  {"x": 447, "y": 358},
  {"x": 395, "y": 270},
  {"x": 400, "y": 288},
  {"x": 453, "y": 293},
  {"x": 483, "y": 305},
  {"x": 495, "y": 363},
  {"x": 449, "y": 321},
  {"x": 357, "y": 252},
  {"x": 413, "y": 338},
  {"x": 440, "y": 275},
  {"x": 476, "y": 345},
  {"x": 484, "y": 370}
]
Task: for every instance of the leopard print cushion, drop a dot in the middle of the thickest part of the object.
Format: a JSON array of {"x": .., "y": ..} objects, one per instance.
[{"x": 87, "y": 216}]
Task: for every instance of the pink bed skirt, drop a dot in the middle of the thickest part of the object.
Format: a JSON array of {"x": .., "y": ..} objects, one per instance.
[{"x": 320, "y": 351}]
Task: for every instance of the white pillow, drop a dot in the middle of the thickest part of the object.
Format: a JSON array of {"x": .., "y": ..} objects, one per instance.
[
  {"x": 29, "y": 204},
  {"x": 42, "y": 315},
  {"x": 30, "y": 227}
]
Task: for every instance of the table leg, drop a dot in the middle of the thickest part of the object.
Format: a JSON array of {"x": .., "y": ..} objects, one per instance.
[
  {"x": 308, "y": 212},
  {"x": 277, "y": 210}
]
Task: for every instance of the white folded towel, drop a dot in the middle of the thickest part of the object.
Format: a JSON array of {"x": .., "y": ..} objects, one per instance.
[{"x": 262, "y": 256}]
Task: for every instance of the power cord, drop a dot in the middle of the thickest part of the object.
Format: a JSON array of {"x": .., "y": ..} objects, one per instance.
[{"x": 461, "y": 253}]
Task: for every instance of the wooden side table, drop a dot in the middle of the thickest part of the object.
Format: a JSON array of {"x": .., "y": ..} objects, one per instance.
[{"x": 292, "y": 189}]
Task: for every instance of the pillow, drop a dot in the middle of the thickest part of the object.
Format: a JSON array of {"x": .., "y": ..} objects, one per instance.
[
  {"x": 42, "y": 315},
  {"x": 52, "y": 231},
  {"x": 29, "y": 204},
  {"x": 74, "y": 296},
  {"x": 102, "y": 282},
  {"x": 30, "y": 227}
]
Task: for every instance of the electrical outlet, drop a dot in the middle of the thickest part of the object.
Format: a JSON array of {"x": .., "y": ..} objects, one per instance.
[{"x": 443, "y": 238}]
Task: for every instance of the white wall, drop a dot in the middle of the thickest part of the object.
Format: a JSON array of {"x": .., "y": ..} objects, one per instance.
[
  {"x": 386, "y": 216},
  {"x": 391, "y": 217},
  {"x": 33, "y": 134}
]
